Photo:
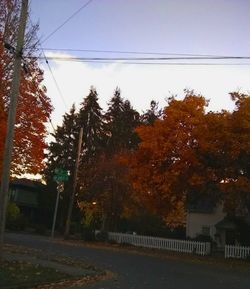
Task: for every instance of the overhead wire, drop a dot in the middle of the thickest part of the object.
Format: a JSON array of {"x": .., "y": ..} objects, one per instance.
[
  {"x": 57, "y": 87},
  {"x": 151, "y": 60},
  {"x": 66, "y": 21},
  {"x": 126, "y": 52},
  {"x": 47, "y": 62},
  {"x": 56, "y": 83},
  {"x": 181, "y": 56},
  {"x": 52, "y": 74}
]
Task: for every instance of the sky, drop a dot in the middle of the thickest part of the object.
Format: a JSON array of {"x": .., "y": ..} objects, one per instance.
[{"x": 206, "y": 27}]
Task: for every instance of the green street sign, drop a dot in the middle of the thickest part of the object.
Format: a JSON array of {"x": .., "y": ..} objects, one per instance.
[{"x": 61, "y": 175}]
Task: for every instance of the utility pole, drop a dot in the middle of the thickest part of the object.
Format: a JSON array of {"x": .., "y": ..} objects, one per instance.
[
  {"x": 71, "y": 202},
  {"x": 14, "y": 92}
]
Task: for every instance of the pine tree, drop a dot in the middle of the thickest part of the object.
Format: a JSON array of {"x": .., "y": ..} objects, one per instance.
[
  {"x": 121, "y": 120},
  {"x": 152, "y": 114},
  {"x": 62, "y": 151},
  {"x": 62, "y": 154},
  {"x": 91, "y": 119},
  {"x": 105, "y": 180}
]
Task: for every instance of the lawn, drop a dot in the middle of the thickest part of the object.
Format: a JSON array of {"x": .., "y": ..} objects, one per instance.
[{"x": 17, "y": 274}]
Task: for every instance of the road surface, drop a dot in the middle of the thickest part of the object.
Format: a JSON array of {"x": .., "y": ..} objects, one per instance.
[{"x": 135, "y": 271}]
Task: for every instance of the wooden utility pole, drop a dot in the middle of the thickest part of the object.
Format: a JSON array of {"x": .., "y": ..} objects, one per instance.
[
  {"x": 72, "y": 197},
  {"x": 14, "y": 92}
]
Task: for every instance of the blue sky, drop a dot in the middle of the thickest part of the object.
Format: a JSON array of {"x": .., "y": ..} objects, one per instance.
[{"x": 216, "y": 27}]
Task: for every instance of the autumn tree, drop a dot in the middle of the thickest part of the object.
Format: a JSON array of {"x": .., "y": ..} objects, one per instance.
[
  {"x": 34, "y": 106},
  {"x": 223, "y": 154},
  {"x": 240, "y": 126},
  {"x": 108, "y": 189},
  {"x": 190, "y": 156},
  {"x": 162, "y": 165},
  {"x": 231, "y": 163}
]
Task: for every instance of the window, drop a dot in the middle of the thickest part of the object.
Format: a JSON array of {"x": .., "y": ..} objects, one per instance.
[{"x": 205, "y": 230}]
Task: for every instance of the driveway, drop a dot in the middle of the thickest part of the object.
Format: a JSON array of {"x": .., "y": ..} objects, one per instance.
[{"x": 136, "y": 271}]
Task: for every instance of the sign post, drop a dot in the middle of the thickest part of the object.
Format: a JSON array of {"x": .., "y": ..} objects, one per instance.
[{"x": 60, "y": 177}]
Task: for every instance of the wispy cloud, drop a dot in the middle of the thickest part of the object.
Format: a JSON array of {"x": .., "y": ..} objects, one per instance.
[{"x": 142, "y": 83}]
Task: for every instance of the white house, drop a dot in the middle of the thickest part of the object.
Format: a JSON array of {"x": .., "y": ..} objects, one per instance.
[
  {"x": 202, "y": 220},
  {"x": 208, "y": 220}
]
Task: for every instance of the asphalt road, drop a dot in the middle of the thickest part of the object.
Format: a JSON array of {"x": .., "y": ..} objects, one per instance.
[{"x": 140, "y": 271}]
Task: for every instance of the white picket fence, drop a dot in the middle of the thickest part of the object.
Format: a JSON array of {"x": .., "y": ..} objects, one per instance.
[
  {"x": 238, "y": 252},
  {"x": 183, "y": 246}
]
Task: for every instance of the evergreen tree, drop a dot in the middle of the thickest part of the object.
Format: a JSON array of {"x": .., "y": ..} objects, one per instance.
[
  {"x": 121, "y": 120},
  {"x": 152, "y": 114},
  {"x": 62, "y": 151},
  {"x": 62, "y": 154},
  {"x": 91, "y": 119}
]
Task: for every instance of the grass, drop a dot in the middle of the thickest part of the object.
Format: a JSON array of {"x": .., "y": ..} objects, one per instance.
[{"x": 17, "y": 274}]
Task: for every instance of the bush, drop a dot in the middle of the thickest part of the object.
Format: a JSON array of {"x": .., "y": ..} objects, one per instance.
[
  {"x": 88, "y": 234},
  {"x": 203, "y": 238},
  {"x": 13, "y": 213},
  {"x": 102, "y": 236},
  {"x": 14, "y": 219}
]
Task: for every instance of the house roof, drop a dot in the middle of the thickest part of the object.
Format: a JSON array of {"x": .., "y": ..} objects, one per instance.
[
  {"x": 226, "y": 224},
  {"x": 201, "y": 206},
  {"x": 31, "y": 184},
  {"x": 24, "y": 182}
]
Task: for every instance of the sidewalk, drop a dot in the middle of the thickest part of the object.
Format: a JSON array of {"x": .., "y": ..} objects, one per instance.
[
  {"x": 80, "y": 272},
  {"x": 71, "y": 270}
]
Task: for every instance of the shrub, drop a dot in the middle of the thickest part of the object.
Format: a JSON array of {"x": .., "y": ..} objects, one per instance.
[
  {"x": 102, "y": 236},
  {"x": 14, "y": 219},
  {"x": 88, "y": 234},
  {"x": 203, "y": 238},
  {"x": 13, "y": 213}
]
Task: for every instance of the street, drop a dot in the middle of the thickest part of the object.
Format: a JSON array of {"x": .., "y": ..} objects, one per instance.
[{"x": 136, "y": 271}]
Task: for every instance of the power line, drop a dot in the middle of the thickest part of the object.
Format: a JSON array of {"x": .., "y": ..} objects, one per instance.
[
  {"x": 159, "y": 63},
  {"x": 51, "y": 72},
  {"x": 144, "y": 58},
  {"x": 56, "y": 83},
  {"x": 127, "y": 52},
  {"x": 66, "y": 21},
  {"x": 150, "y": 60}
]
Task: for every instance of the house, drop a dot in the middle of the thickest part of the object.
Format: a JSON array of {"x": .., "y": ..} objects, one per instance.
[
  {"x": 24, "y": 193},
  {"x": 202, "y": 219},
  {"x": 210, "y": 221}
]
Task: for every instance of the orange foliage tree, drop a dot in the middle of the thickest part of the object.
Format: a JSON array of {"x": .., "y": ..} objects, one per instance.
[
  {"x": 160, "y": 168},
  {"x": 236, "y": 188},
  {"x": 34, "y": 106},
  {"x": 224, "y": 148},
  {"x": 190, "y": 155}
]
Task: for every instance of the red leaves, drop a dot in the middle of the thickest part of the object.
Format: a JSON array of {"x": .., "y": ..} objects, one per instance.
[{"x": 33, "y": 108}]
